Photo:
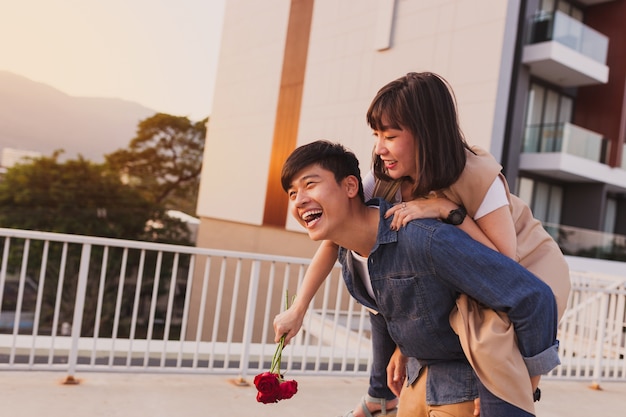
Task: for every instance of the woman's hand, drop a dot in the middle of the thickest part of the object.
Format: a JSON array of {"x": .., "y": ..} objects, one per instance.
[{"x": 421, "y": 208}]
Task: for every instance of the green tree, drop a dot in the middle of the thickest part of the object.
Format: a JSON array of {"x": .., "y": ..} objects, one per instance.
[
  {"x": 164, "y": 160},
  {"x": 160, "y": 170},
  {"x": 76, "y": 196},
  {"x": 80, "y": 197}
]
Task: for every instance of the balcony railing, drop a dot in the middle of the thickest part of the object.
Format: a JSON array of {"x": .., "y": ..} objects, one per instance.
[
  {"x": 566, "y": 138},
  {"x": 587, "y": 243},
  {"x": 78, "y": 304},
  {"x": 561, "y": 28}
]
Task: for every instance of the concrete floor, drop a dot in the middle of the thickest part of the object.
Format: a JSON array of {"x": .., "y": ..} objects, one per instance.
[{"x": 29, "y": 393}]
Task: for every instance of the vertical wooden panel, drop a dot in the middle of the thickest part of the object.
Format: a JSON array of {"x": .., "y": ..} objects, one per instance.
[{"x": 288, "y": 111}]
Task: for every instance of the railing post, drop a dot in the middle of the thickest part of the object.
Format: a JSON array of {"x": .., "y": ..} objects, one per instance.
[
  {"x": 79, "y": 305},
  {"x": 248, "y": 326},
  {"x": 597, "y": 365}
]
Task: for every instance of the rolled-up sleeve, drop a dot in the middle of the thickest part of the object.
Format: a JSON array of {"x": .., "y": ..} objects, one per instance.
[{"x": 543, "y": 362}]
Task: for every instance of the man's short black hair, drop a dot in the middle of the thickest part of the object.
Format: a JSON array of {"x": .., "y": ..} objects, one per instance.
[{"x": 330, "y": 156}]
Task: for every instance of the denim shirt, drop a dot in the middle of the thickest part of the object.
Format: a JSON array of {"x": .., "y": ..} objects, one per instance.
[{"x": 417, "y": 274}]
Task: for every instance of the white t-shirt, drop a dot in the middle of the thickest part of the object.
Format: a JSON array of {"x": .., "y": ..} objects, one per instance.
[
  {"x": 494, "y": 199},
  {"x": 360, "y": 266}
]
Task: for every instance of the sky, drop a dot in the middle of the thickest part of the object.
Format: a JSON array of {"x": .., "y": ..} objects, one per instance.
[{"x": 159, "y": 53}]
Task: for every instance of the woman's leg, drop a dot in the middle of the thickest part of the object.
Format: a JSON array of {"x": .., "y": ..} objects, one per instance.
[{"x": 491, "y": 406}]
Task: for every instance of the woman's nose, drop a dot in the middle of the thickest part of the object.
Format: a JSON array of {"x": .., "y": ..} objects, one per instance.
[{"x": 379, "y": 147}]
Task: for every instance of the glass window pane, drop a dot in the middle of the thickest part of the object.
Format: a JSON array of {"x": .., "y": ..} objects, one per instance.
[
  {"x": 525, "y": 190},
  {"x": 556, "y": 199},
  {"x": 535, "y": 104},
  {"x": 551, "y": 131},
  {"x": 565, "y": 110},
  {"x": 610, "y": 215},
  {"x": 533, "y": 118},
  {"x": 551, "y": 107},
  {"x": 541, "y": 201}
]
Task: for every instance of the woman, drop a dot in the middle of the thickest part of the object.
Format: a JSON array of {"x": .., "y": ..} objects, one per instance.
[{"x": 422, "y": 161}]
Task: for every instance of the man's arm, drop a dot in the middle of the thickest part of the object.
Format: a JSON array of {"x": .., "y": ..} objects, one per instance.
[{"x": 503, "y": 285}]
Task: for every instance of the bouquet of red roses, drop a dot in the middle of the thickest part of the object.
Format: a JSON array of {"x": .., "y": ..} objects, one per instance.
[{"x": 271, "y": 385}]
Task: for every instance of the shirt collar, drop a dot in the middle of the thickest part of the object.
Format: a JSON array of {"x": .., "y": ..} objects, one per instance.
[{"x": 385, "y": 234}]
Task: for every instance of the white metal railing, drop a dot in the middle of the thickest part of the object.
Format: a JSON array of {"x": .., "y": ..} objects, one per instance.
[
  {"x": 74, "y": 303},
  {"x": 593, "y": 329}
]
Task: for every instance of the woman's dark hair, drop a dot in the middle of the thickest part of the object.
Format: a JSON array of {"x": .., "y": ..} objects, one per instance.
[
  {"x": 330, "y": 156},
  {"x": 423, "y": 104}
]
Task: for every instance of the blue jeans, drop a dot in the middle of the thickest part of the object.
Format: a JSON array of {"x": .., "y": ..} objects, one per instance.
[
  {"x": 382, "y": 349},
  {"x": 490, "y": 405}
]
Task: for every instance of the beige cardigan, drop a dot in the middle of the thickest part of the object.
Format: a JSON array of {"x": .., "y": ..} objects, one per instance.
[{"x": 487, "y": 337}]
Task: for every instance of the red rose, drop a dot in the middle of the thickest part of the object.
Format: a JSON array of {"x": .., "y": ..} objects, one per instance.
[
  {"x": 268, "y": 386},
  {"x": 288, "y": 389},
  {"x": 267, "y": 398},
  {"x": 271, "y": 385}
]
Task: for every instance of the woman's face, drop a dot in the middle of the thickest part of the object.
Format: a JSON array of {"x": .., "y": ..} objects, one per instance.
[{"x": 396, "y": 148}]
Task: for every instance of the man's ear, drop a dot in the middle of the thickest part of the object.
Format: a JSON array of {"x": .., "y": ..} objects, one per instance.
[{"x": 352, "y": 186}]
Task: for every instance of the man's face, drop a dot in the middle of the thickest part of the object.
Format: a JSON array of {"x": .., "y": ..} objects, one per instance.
[{"x": 317, "y": 202}]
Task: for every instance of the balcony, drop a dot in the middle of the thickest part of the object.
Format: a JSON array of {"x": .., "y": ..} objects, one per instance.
[
  {"x": 567, "y": 138},
  {"x": 586, "y": 243},
  {"x": 570, "y": 153},
  {"x": 565, "y": 52}
]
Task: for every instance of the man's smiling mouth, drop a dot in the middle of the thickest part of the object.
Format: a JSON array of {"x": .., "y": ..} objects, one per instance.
[{"x": 310, "y": 217}]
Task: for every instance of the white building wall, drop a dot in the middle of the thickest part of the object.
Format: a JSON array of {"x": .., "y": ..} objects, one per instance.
[
  {"x": 241, "y": 127},
  {"x": 462, "y": 40}
]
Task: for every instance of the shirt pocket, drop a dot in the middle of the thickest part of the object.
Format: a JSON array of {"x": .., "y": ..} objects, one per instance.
[
  {"x": 399, "y": 297},
  {"x": 417, "y": 315}
]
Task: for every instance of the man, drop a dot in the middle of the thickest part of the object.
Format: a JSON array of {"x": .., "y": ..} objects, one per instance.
[{"x": 413, "y": 277}]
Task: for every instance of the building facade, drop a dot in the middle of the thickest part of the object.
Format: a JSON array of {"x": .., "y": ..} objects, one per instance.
[
  {"x": 540, "y": 84},
  {"x": 565, "y": 130}
]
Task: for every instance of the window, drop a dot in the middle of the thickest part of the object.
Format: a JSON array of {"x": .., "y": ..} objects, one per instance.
[
  {"x": 549, "y": 6},
  {"x": 548, "y": 111},
  {"x": 545, "y": 200},
  {"x": 610, "y": 215}
]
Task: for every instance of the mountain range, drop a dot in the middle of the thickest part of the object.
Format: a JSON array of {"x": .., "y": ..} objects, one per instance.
[{"x": 39, "y": 118}]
